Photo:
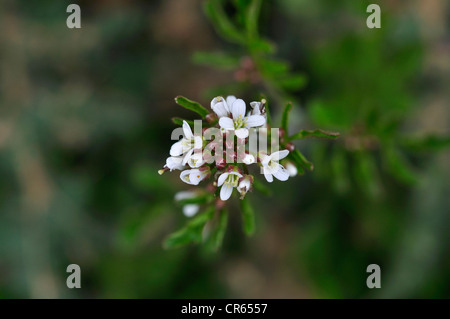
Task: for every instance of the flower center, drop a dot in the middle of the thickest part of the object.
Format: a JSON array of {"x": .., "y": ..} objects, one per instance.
[
  {"x": 240, "y": 122},
  {"x": 188, "y": 143},
  {"x": 272, "y": 164},
  {"x": 232, "y": 180}
]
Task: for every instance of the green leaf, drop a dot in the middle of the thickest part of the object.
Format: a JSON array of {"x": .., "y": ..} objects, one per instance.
[
  {"x": 251, "y": 22},
  {"x": 274, "y": 67},
  {"x": 293, "y": 82},
  {"x": 285, "y": 117},
  {"x": 339, "y": 166},
  {"x": 314, "y": 133},
  {"x": 366, "y": 174},
  {"x": 201, "y": 199},
  {"x": 191, "y": 233},
  {"x": 216, "y": 59},
  {"x": 301, "y": 160},
  {"x": 191, "y": 105},
  {"x": 397, "y": 165},
  {"x": 427, "y": 143},
  {"x": 219, "y": 233},
  {"x": 179, "y": 121},
  {"x": 183, "y": 237},
  {"x": 223, "y": 26},
  {"x": 260, "y": 46},
  {"x": 248, "y": 217}
]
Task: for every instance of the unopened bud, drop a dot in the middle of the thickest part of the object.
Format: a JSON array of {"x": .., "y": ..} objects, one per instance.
[
  {"x": 245, "y": 184},
  {"x": 290, "y": 147},
  {"x": 292, "y": 169},
  {"x": 211, "y": 118}
]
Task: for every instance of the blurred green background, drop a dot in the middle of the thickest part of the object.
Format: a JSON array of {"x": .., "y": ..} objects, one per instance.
[{"x": 85, "y": 125}]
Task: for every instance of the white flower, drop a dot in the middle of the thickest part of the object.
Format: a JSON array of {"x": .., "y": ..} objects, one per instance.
[
  {"x": 229, "y": 181},
  {"x": 174, "y": 162},
  {"x": 189, "y": 210},
  {"x": 248, "y": 159},
  {"x": 185, "y": 195},
  {"x": 272, "y": 167},
  {"x": 221, "y": 106},
  {"x": 240, "y": 123},
  {"x": 196, "y": 160},
  {"x": 194, "y": 176},
  {"x": 244, "y": 185},
  {"x": 256, "y": 109},
  {"x": 292, "y": 169},
  {"x": 187, "y": 144}
]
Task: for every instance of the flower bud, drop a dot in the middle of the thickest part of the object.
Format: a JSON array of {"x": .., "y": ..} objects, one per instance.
[
  {"x": 190, "y": 210},
  {"x": 291, "y": 168},
  {"x": 245, "y": 185},
  {"x": 290, "y": 147},
  {"x": 211, "y": 118},
  {"x": 248, "y": 159}
]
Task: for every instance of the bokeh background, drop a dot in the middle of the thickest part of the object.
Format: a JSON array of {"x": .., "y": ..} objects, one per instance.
[{"x": 85, "y": 125}]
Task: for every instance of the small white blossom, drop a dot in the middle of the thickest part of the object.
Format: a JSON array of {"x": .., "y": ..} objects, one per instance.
[
  {"x": 187, "y": 144},
  {"x": 189, "y": 210},
  {"x": 194, "y": 176},
  {"x": 244, "y": 185},
  {"x": 228, "y": 181},
  {"x": 174, "y": 162},
  {"x": 196, "y": 160},
  {"x": 239, "y": 122},
  {"x": 292, "y": 169},
  {"x": 256, "y": 109},
  {"x": 221, "y": 106},
  {"x": 248, "y": 159},
  {"x": 272, "y": 167}
]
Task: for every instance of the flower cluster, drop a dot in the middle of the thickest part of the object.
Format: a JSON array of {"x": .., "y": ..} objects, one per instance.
[
  {"x": 226, "y": 151},
  {"x": 227, "y": 161}
]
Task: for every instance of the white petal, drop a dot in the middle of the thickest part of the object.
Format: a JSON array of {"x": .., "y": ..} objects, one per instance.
[
  {"x": 187, "y": 156},
  {"x": 292, "y": 169},
  {"x": 236, "y": 173},
  {"x": 174, "y": 162},
  {"x": 196, "y": 176},
  {"x": 187, "y": 130},
  {"x": 226, "y": 191},
  {"x": 198, "y": 142},
  {"x": 222, "y": 179},
  {"x": 249, "y": 159},
  {"x": 230, "y": 101},
  {"x": 176, "y": 149},
  {"x": 184, "y": 176},
  {"x": 238, "y": 108},
  {"x": 184, "y": 195},
  {"x": 265, "y": 159},
  {"x": 244, "y": 186},
  {"x": 276, "y": 156},
  {"x": 268, "y": 177},
  {"x": 218, "y": 105},
  {"x": 242, "y": 133},
  {"x": 281, "y": 173},
  {"x": 226, "y": 123},
  {"x": 255, "y": 120},
  {"x": 255, "y": 108},
  {"x": 190, "y": 210},
  {"x": 196, "y": 160}
]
